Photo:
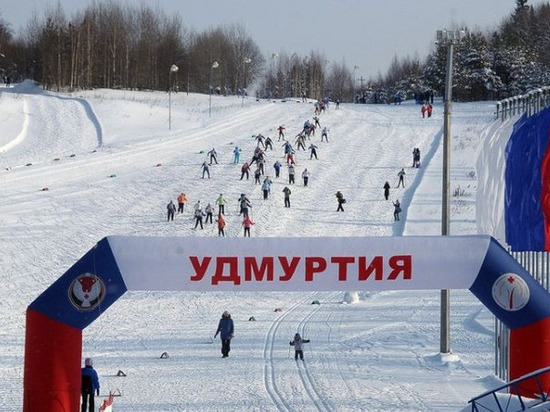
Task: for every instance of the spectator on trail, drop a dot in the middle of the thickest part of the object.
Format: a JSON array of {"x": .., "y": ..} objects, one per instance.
[
  {"x": 236, "y": 154},
  {"x": 199, "y": 214},
  {"x": 89, "y": 387},
  {"x": 171, "y": 209},
  {"x": 401, "y": 176},
  {"x": 429, "y": 110},
  {"x": 324, "y": 134},
  {"x": 341, "y": 201},
  {"x": 225, "y": 330},
  {"x": 182, "y": 200},
  {"x": 387, "y": 190},
  {"x": 287, "y": 193},
  {"x": 305, "y": 176},
  {"x": 291, "y": 172},
  {"x": 213, "y": 156},
  {"x": 313, "y": 150},
  {"x": 247, "y": 224},
  {"x": 221, "y": 201},
  {"x": 396, "y": 210},
  {"x": 266, "y": 187},
  {"x": 277, "y": 167},
  {"x": 281, "y": 130},
  {"x": 245, "y": 170},
  {"x": 244, "y": 204},
  {"x": 209, "y": 212},
  {"x": 221, "y": 225},
  {"x": 205, "y": 169},
  {"x": 257, "y": 175},
  {"x": 298, "y": 344}
]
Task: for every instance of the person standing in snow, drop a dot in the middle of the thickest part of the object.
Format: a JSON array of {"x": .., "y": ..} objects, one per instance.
[
  {"x": 221, "y": 225},
  {"x": 287, "y": 193},
  {"x": 213, "y": 156},
  {"x": 209, "y": 212},
  {"x": 257, "y": 175},
  {"x": 313, "y": 151},
  {"x": 245, "y": 170},
  {"x": 266, "y": 187},
  {"x": 171, "y": 209},
  {"x": 277, "y": 167},
  {"x": 341, "y": 201},
  {"x": 324, "y": 134},
  {"x": 298, "y": 344},
  {"x": 387, "y": 190},
  {"x": 281, "y": 130},
  {"x": 182, "y": 200},
  {"x": 305, "y": 176},
  {"x": 199, "y": 214},
  {"x": 396, "y": 210},
  {"x": 205, "y": 169},
  {"x": 225, "y": 330},
  {"x": 221, "y": 201},
  {"x": 236, "y": 154},
  {"x": 247, "y": 224},
  {"x": 268, "y": 143},
  {"x": 423, "y": 110},
  {"x": 429, "y": 110},
  {"x": 401, "y": 176},
  {"x": 291, "y": 172},
  {"x": 244, "y": 204},
  {"x": 89, "y": 386}
]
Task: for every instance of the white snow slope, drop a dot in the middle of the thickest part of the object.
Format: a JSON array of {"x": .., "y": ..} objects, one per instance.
[{"x": 78, "y": 167}]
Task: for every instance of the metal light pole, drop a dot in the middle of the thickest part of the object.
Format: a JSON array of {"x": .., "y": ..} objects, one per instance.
[
  {"x": 215, "y": 65},
  {"x": 447, "y": 38},
  {"x": 245, "y": 62},
  {"x": 173, "y": 69}
]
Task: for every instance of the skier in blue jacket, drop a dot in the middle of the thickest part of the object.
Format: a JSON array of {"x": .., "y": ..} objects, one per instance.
[{"x": 225, "y": 329}]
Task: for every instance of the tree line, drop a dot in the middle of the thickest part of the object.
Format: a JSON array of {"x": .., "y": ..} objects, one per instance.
[{"x": 109, "y": 45}]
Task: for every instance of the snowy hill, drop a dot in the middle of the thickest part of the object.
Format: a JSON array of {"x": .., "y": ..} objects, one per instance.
[{"x": 78, "y": 167}]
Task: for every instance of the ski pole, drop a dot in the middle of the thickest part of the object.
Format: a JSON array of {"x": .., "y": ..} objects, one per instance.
[{"x": 288, "y": 352}]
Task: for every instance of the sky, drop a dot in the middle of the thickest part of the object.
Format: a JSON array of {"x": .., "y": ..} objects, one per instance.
[
  {"x": 77, "y": 167},
  {"x": 366, "y": 34}
]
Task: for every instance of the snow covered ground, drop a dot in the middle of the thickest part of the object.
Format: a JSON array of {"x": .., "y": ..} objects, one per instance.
[{"x": 78, "y": 167}]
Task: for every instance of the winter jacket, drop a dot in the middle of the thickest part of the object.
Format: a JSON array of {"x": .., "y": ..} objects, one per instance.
[
  {"x": 182, "y": 198},
  {"x": 91, "y": 372},
  {"x": 298, "y": 343},
  {"x": 221, "y": 222},
  {"x": 171, "y": 207},
  {"x": 225, "y": 328},
  {"x": 221, "y": 200},
  {"x": 247, "y": 222}
]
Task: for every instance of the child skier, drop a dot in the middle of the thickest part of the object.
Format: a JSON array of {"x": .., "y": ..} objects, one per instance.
[{"x": 298, "y": 344}]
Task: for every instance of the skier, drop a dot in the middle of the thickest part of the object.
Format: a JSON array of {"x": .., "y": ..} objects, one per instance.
[
  {"x": 298, "y": 344},
  {"x": 225, "y": 330},
  {"x": 205, "y": 169},
  {"x": 324, "y": 134},
  {"x": 313, "y": 150},
  {"x": 221, "y": 225},
  {"x": 305, "y": 176},
  {"x": 89, "y": 386},
  {"x": 281, "y": 130},
  {"x": 236, "y": 154},
  {"x": 182, "y": 200},
  {"x": 291, "y": 172},
  {"x": 341, "y": 201},
  {"x": 209, "y": 212},
  {"x": 423, "y": 110},
  {"x": 268, "y": 143},
  {"x": 244, "y": 204},
  {"x": 287, "y": 193},
  {"x": 429, "y": 109},
  {"x": 387, "y": 190},
  {"x": 221, "y": 201},
  {"x": 247, "y": 224},
  {"x": 212, "y": 153},
  {"x": 257, "y": 175},
  {"x": 401, "y": 176},
  {"x": 199, "y": 214},
  {"x": 245, "y": 170},
  {"x": 171, "y": 208},
  {"x": 396, "y": 210},
  {"x": 260, "y": 139},
  {"x": 266, "y": 187},
  {"x": 316, "y": 119},
  {"x": 277, "y": 167}
]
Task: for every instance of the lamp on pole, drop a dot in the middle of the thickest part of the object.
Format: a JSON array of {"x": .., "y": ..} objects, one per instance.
[
  {"x": 215, "y": 65},
  {"x": 448, "y": 39},
  {"x": 173, "y": 69},
  {"x": 246, "y": 61}
]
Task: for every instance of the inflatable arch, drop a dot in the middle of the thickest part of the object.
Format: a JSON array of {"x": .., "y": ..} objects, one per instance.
[{"x": 116, "y": 264}]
